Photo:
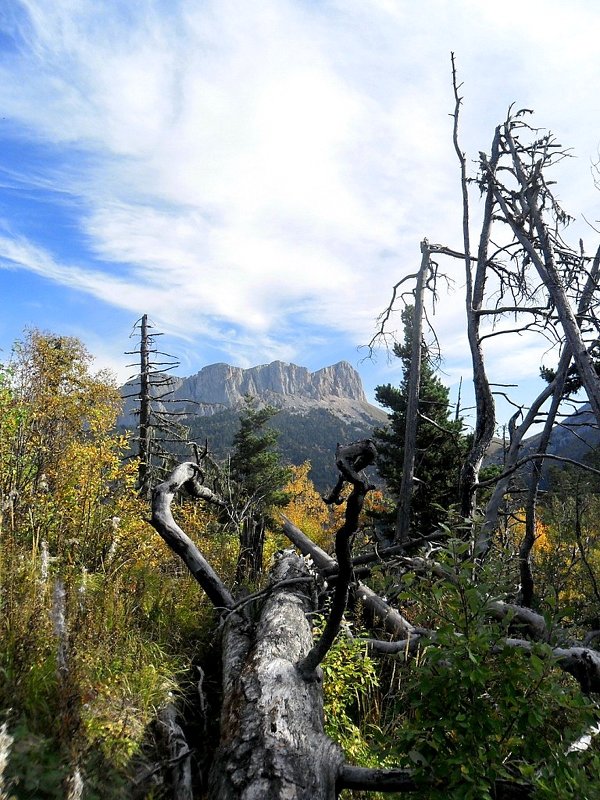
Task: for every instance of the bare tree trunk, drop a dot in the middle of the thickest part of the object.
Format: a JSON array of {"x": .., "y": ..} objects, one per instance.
[
  {"x": 250, "y": 558},
  {"x": 526, "y": 590},
  {"x": 412, "y": 405},
  {"x": 557, "y": 385},
  {"x": 145, "y": 400},
  {"x": 581, "y": 355},
  {"x": 179, "y": 753},
  {"x": 485, "y": 421},
  {"x": 492, "y": 511},
  {"x": 272, "y": 739}
]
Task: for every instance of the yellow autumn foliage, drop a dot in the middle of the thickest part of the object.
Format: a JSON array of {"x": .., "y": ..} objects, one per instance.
[
  {"x": 307, "y": 510},
  {"x": 73, "y": 527},
  {"x": 566, "y": 553}
]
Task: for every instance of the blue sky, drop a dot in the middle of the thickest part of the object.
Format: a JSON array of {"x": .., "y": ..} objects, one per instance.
[{"x": 256, "y": 176}]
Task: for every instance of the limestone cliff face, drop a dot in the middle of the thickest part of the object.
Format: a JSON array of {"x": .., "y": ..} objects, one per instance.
[
  {"x": 337, "y": 388},
  {"x": 276, "y": 383},
  {"x": 317, "y": 409}
]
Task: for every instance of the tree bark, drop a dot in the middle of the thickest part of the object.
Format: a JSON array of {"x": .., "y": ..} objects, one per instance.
[
  {"x": 252, "y": 541},
  {"x": 485, "y": 420},
  {"x": 144, "y": 424},
  {"x": 179, "y": 753},
  {"x": 390, "y": 618},
  {"x": 402, "y": 533},
  {"x": 186, "y": 475},
  {"x": 272, "y": 740},
  {"x": 492, "y": 511}
]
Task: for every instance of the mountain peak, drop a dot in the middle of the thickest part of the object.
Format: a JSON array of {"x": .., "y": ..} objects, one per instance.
[
  {"x": 318, "y": 409},
  {"x": 274, "y": 383}
]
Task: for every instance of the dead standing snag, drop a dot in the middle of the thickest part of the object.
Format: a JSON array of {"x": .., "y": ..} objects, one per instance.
[{"x": 351, "y": 459}]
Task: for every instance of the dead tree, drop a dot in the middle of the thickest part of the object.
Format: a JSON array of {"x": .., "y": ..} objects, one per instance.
[
  {"x": 556, "y": 391},
  {"x": 272, "y": 742},
  {"x": 475, "y": 274},
  {"x": 414, "y": 300},
  {"x": 531, "y": 276},
  {"x": 159, "y": 428},
  {"x": 412, "y": 411},
  {"x": 526, "y": 208},
  {"x": 522, "y": 270}
]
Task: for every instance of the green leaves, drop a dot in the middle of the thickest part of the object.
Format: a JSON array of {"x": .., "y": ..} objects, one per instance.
[
  {"x": 350, "y": 685},
  {"x": 471, "y": 711}
]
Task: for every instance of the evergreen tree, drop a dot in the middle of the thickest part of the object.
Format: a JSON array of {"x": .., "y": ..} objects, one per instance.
[
  {"x": 258, "y": 479},
  {"x": 441, "y": 444}
]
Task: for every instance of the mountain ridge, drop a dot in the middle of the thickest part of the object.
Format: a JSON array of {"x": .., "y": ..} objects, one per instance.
[
  {"x": 337, "y": 387},
  {"x": 225, "y": 384},
  {"x": 316, "y": 409}
]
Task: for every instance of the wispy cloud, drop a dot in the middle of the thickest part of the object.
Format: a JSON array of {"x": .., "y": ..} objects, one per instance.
[{"x": 242, "y": 169}]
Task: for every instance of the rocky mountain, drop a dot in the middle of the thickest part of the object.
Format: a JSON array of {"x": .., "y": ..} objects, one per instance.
[
  {"x": 317, "y": 409},
  {"x": 283, "y": 385},
  {"x": 576, "y": 437}
]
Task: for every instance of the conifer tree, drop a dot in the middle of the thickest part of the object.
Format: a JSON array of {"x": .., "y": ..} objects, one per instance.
[
  {"x": 258, "y": 479},
  {"x": 440, "y": 441}
]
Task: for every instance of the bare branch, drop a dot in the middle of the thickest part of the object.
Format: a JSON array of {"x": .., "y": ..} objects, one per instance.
[
  {"x": 533, "y": 457},
  {"x": 350, "y": 460},
  {"x": 390, "y": 618},
  {"x": 185, "y": 476}
]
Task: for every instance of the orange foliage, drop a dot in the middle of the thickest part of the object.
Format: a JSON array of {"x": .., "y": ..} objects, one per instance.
[
  {"x": 306, "y": 508},
  {"x": 516, "y": 532},
  {"x": 314, "y": 517}
]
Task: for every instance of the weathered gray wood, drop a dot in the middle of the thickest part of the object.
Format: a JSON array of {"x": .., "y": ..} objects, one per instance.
[
  {"x": 582, "y": 663},
  {"x": 386, "y": 780},
  {"x": 272, "y": 740},
  {"x": 322, "y": 560},
  {"x": 485, "y": 419},
  {"x": 391, "y": 619},
  {"x": 186, "y": 475},
  {"x": 178, "y": 751},
  {"x": 144, "y": 421},
  {"x": 402, "y": 532},
  {"x": 350, "y": 460}
]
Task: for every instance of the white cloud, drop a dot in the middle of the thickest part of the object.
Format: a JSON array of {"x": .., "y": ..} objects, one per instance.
[{"x": 241, "y": 168}]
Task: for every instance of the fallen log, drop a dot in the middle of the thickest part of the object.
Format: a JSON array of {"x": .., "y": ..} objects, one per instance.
[
  {"x": 390, "y": 618},
  {"x": 272, "y": 741}
]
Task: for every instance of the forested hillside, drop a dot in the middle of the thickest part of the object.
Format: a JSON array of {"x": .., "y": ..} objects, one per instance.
[
  {"x": 315, "y": 410},
  {"x": 311, "y": 436}
]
